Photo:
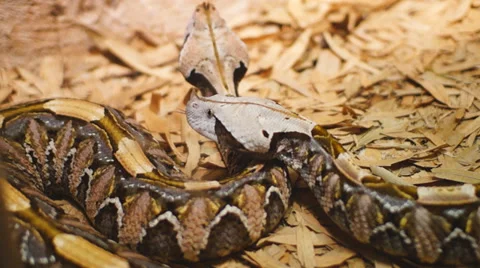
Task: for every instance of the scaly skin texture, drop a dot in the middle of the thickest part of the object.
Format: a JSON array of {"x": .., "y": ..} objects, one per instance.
[
  {"x": 379, "y": 213},
  {"x": 128, "y": 187},
  {"x": 432, "y": 225}
]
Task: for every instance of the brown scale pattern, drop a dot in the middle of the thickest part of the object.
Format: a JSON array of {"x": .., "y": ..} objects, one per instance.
[
  {"x": 99, "y": 188},
  {"x": 63, "y": 142},
  {"x": 435, "y": 234},
  {"x": 137, "y": 215},
  {"x": 253, "y": 208},
  {"x": 362, "y": 215},
  {"x": 195, "y": 222},
  {"x": 81, "y": 161},
  {"x": 36, "y": 138}
]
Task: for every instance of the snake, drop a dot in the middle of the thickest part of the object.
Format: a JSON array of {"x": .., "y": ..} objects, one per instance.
[{"x": 132, "y": 191}]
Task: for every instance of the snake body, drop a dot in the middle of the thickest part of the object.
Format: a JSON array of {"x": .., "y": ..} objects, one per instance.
[
  {"x": 132, "y": 192},
  {"x": 129, "y": 188},
  {"x": 432, "y": 225},
  {"x": 438, "y": 225}
]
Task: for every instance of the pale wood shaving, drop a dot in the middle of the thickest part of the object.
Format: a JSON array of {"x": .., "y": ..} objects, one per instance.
[
  {"x": 456, "y": 175},
  {"x": 261, "y": 257},
  {"x": 293, "y": 53},
  {"x": 125, "y": 52},
  {"x": 191, "y": 139},
  {"x": 334, "y": 257},
  {"x": 388, "y": 176},
  {"x": 304, "y": 245}
]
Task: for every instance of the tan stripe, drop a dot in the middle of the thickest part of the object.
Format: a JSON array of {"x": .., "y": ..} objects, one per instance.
[
  {"x": 13, "y": 199},
  {"x": 76, "y": 108},
  {"x": 85, "y": 254},
  {"x": 447, "y": 195},
  {"x": 132, "y": 158},
  {"x": 201, "y": 185},
  {"x": 351, "y": 171},
  {"x": 1, "y": 120}
]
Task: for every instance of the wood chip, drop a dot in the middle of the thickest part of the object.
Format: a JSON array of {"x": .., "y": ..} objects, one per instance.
[
  {"x": 264, "y": 259},
  {"x": 457, "y": 175},
  {"x": 290, "y": 56},
  {"x": 398, "y": 88},
  {"x": 335, "y": 257},
  {"x": 192, "y": 141},
  {"x": 305, "y": 246},
  {"x": 123, "y": 51}
]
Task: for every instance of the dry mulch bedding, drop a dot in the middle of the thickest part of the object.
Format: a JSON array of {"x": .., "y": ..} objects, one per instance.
[{"x": 396, "y": 82}]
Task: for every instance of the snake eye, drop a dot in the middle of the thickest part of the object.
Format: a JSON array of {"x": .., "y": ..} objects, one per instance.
[{"x": 209, "y": 113}]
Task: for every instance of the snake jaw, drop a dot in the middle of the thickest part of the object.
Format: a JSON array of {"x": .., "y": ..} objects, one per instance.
[
  {"x": 200, "y": 117},
  {"x": 263, "y": 118}
]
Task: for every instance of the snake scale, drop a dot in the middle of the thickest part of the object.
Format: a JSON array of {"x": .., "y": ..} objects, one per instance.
[{"x": 133, "y": 192}]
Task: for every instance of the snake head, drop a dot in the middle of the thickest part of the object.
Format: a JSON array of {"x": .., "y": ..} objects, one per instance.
[
  {"x": 212, "y": 58},
  {"x": 252, "y": 122}
]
